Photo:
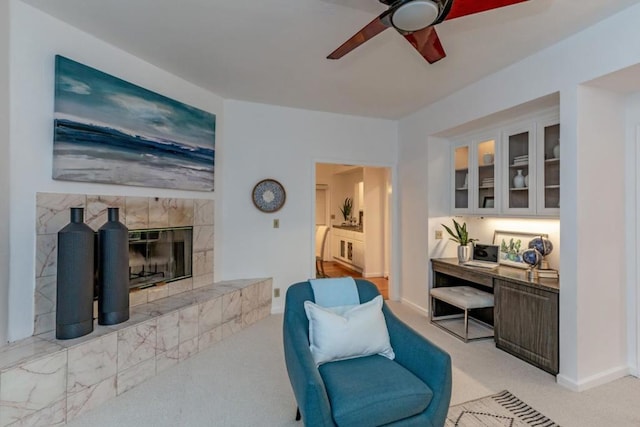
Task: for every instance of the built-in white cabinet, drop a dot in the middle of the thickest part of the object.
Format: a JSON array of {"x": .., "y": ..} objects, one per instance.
[
  {"x": 511, "y": 170},
  {"x": 348, "y": 247},
  {"x": 475, "y": 175}
]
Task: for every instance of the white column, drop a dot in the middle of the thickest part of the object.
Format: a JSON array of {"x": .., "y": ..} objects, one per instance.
[{"x": 4, "y": 169}]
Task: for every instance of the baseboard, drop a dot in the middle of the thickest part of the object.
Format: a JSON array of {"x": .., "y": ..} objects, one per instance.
[
  {"x": 415, "y": 306},
  {"x": 594, "y": 380},
  {"x": 375, "y": 274}
]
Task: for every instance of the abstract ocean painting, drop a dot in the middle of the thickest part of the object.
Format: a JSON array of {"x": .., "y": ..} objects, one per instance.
[{"x": 110, "y": 131}]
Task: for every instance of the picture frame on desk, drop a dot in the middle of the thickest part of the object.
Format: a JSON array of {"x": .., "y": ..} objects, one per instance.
[{"x": 512, "y": 244}]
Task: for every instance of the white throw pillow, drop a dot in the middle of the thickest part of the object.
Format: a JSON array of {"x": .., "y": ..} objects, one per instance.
[{"x": 359, "y": 331}]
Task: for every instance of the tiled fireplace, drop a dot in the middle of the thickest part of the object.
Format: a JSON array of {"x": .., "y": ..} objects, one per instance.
[
  {"x": 136, "y": 213},
  {"x": 45, "y": 381}
]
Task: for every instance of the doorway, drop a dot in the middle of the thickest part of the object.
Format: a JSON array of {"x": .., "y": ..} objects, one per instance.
[{"x": 355, "y": 202}]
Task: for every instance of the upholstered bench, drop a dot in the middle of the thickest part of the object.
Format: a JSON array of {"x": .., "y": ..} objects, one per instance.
[{"x": 465, "y": 298}]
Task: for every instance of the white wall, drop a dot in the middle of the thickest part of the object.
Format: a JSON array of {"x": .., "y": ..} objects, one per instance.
[
  {"x": 560, "y": 68},
  {"x": 4, "y": 168},
  {"x": 375, "y": 218},
  {"x": 35, "y": 39},
  {"x": 263, "y": 141},
  {"x": 601, "y": 235},
  {"x": 632, "y": 216}
]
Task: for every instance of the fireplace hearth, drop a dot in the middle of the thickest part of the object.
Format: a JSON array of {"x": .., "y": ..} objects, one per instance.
[{"x": 159, "y": 255}]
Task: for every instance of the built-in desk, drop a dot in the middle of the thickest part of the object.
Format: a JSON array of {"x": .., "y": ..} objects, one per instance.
[{"x": 525, "y": 313}]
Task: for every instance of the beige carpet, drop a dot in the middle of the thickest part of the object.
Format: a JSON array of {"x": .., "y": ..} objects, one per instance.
[{"x": 501, "y": 409}]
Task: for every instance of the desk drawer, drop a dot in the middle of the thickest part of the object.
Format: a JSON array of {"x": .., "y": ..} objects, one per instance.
[{"x": 464, "y": 273}]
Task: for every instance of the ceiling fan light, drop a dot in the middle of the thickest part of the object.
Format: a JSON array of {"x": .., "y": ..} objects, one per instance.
[{"x": 415, "y": 15}]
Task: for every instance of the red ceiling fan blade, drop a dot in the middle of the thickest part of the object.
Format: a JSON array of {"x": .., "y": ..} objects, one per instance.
[
  {"x": 371, "y": 30},
  {"x": 469, "y": 7},
  {"x": 427, "y": 42}
]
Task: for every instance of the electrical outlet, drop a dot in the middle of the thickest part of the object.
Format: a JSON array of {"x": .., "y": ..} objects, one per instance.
[
  {"x": 333, "y": 216},
  {"x": 276, "y": 223},
  {"x": 276, "y": 293},
  {"x": 438, "y": 234}
]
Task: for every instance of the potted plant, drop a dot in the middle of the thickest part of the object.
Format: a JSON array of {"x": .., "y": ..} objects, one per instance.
[
  {"x": 461, "y": 236},
  {"x": 346, "y": 207}
]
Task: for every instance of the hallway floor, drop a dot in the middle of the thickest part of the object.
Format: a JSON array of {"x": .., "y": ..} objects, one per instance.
[{"x": 334, "y": 269}]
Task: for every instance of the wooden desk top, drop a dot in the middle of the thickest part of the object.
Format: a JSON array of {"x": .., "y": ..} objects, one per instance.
[{"x": 511, "y": 274}]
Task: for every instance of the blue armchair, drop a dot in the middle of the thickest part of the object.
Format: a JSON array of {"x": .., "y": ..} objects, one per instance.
[{"x": 414, "y": 389}]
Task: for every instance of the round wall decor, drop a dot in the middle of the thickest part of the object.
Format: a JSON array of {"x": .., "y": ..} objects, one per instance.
[{"x": 268, "y": 195}]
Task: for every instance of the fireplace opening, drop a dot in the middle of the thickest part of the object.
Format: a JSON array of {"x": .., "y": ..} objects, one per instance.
[{"x": 159, "y": 255}]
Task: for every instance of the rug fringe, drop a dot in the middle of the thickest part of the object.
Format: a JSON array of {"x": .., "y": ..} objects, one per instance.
[{"x": 525, "y": 412}]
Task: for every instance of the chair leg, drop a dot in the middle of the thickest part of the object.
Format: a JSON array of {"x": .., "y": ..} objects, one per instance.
[
  {"x": 466, "y": 325},
  {"x": 298, "y": 416},
  {"x": 322, "y": 268}
]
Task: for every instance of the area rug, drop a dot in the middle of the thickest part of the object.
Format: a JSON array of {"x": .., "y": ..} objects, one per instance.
[{"x": 502, "y": 409}]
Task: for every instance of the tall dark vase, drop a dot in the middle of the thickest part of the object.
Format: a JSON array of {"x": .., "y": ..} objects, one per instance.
[
  {"x": 113, "y": 271},
  {"x": 75, "y": 276}
]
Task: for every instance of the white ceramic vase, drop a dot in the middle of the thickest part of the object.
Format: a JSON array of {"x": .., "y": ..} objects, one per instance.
[
  {"x": 556, "y": 151},
  {"x": 518, "y": 180}
]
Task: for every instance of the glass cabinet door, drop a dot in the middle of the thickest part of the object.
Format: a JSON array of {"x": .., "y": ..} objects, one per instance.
[
  {"x": 486, "y": 152},
  {"x": 519, "y": 157},
  {"x": 461, "y": 182},
  {"x": 549, "y": 196}
]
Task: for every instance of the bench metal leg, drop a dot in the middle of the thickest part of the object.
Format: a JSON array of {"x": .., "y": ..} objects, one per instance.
[{"x": 435, "y": 321}]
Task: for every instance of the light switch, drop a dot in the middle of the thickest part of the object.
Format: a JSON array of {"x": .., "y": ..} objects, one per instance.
[
  {"x": 438, "y": 234},
  {"x": 276, "y": 223}
]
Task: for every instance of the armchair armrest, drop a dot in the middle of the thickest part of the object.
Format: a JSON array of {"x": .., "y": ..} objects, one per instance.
[
  {"x": 308, "y": 387},
  {"x": 425, "y": 360}
]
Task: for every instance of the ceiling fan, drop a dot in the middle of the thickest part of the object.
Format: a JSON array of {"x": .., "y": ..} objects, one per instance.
[{"x": 415, "y": 20}]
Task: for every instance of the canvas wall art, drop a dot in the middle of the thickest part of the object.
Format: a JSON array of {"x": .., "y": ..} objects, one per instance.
[{"x": 107, "y": 130}]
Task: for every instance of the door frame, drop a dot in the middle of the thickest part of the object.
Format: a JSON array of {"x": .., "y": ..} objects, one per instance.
[{"x": 393, "y": 244}]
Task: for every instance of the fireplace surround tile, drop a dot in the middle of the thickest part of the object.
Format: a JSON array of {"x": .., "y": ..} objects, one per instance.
[
  {"x": 180, "y": 286},
  {"x": 204, "y": 280},
  {"x": 28, "y": 388},
  {"x": 91, "y": 397},
  {"x": 187, "y": 348},
  {"x": 180, "y": 212},
  {"x": 40, "y": 376},
  {"x": 46, "y": 255},
  {"x": 188, "y": 323},
  {"x": 136, "y": 344},
  {"x": 202, "y": 263},
  {"x": 53, "y": 415},
  {"x": 137, "y": 374},
  {"x": 52, "y": 210},
  {"x": 202, "y": 238},
  {"x": 168, "y": 332},
  {"x": 167, "y": 359},
  {"x": 96, "y": 212},
  {"x": 203, "y": 212},
  {"x": 210, "y": 315},
  {"x": 92, "y": 362},
  {"x": 158, "y": 212},
  {"x": 137, "y": 212}
]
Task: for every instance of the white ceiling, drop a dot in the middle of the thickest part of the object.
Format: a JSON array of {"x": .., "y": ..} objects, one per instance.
[{"x": 274, "y": 51}]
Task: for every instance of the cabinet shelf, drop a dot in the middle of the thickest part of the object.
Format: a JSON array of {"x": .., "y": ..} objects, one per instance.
[
  {"x": 462, "y": 189},
  {"x": 519, "y": 189},
  {"x": 524, "y": 165},
  {"x": 552, "y": 187},
  {"x": 552, "y": 161},
  {"x": 462, "y": 170},
  {"x": 486, "y": 186}
]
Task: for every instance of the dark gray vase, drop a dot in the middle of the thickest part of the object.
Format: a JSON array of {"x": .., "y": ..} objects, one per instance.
[
  {"x": 75, "y": 276},
  {"x": 113, "y": 271}
]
